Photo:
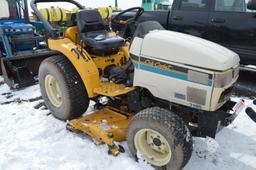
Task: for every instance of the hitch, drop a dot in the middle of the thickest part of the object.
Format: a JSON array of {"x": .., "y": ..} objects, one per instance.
[{"x": 251, "y": 112}]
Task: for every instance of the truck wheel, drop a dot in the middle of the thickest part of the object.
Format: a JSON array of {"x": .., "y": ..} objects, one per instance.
[
  {"x": 161, "y": 138},
  {"x": 62, "y": 88}
]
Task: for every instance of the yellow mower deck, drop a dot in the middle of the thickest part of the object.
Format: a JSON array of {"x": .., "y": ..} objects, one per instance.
[{"x": 105, "y": 126}]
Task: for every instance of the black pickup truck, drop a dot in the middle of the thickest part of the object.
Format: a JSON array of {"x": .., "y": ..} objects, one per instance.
[{"x": 231, "y": 23}]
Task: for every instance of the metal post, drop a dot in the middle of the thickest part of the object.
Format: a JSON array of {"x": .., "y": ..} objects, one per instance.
[
  {"x": 6, "y": 43},
  {"x": 26, "y": 13},
  {"x": 116, "y": 4}
]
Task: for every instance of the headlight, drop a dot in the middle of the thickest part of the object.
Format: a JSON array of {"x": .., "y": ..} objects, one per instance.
[
  {"x": 199, "y": 77},
  {"x": 223, "y": 79}
]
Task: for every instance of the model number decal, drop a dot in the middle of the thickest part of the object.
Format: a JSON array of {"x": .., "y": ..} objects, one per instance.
[
  {"x": 80, "y": 53},
  {"x": 196, "y": 106}
]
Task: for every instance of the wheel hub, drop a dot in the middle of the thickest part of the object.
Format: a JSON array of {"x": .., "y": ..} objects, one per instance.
[
  {"x": 157, "y": 142},
  {"x": 53, "y": 90},
  {"x": 153, "y": 147}
]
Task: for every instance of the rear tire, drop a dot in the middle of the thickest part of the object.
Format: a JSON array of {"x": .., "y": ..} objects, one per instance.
[
  {"x": 62, "y": 88},
  {"x": 161, "y": 138}
]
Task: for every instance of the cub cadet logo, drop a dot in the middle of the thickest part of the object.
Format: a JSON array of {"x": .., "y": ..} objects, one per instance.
[{"x": 158, "y": 64}]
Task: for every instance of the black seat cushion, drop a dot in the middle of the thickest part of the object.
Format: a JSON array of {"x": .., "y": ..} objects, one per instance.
[{"x": 93, "y": 31}]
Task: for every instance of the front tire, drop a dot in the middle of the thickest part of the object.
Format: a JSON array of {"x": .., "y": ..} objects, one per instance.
[
  {"x": 161, "y": 138},
  {"x": 62, "y": 88}
]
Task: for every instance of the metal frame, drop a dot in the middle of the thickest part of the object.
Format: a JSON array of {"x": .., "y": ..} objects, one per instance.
[
  {"x": 26, "y": 11},
  {"x": 6, "y": 45}
]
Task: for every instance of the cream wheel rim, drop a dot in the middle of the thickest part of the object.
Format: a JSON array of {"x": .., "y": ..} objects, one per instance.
[
  {"x": 153, "y": 147},
  {"x": 53, "y": 90}
]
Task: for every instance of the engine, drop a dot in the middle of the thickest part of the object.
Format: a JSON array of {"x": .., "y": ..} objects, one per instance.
[{"x": 21, "y": 35}]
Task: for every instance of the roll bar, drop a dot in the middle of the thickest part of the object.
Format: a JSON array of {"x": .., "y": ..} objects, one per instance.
[{"x": 52, "y": 31}]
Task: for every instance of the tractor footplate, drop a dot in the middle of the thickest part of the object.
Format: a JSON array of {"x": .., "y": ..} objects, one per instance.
[
  {"x": 112, "y": 89},
  {"x": 104, "y": 126}
]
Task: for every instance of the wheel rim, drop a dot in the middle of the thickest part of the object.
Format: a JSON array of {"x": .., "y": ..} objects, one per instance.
[
  {"x": 53, "y": 90},
  {"x": 153, "y": 147}
]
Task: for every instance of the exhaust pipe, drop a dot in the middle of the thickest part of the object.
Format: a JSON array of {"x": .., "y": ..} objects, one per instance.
[{"x": 250, "y": 112}]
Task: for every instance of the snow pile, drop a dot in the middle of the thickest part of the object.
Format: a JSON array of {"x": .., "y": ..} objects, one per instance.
[{"x": 30, "y": 138}]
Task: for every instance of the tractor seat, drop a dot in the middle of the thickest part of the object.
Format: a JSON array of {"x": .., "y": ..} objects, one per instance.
[{"x": 94, "y": 34}]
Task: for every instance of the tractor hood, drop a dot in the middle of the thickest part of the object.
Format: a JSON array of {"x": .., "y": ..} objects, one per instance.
[{"x": 189, "y": 50}]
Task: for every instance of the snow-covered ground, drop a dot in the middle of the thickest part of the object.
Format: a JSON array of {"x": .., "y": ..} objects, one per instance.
[{"x": 31, "y": 139}]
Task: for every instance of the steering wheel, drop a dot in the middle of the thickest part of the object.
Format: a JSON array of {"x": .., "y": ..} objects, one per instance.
[{"x": 129, "y": 24}]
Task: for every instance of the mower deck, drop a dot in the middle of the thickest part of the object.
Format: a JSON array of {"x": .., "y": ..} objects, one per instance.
[{"x": 104, "y": 126}]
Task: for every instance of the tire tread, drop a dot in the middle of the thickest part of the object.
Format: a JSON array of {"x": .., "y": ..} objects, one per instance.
[
  {"x": 76, "y": 89},
  {"x": 170, "y": 121}
]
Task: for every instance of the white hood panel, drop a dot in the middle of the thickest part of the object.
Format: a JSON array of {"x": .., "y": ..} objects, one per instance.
[{"x": 189, "y": 50}]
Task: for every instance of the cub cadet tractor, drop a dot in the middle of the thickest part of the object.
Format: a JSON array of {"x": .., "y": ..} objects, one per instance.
[{"x": 155, "y": 91}]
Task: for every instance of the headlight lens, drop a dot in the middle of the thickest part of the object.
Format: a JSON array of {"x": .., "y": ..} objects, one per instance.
[
  {"x": 223, "y": 79},
  {"x": 198, "y": 77}
]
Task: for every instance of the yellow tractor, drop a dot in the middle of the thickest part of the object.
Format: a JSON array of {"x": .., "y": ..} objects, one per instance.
[{"x": 155, "y": 90}]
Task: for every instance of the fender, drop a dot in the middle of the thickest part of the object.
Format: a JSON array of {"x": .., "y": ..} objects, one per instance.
[{"x": 81, "y": 60}]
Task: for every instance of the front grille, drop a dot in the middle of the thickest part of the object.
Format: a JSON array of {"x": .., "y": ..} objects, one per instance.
[
  {"x": 197, "y": 96},
  {"x": 225, "y": 95}
]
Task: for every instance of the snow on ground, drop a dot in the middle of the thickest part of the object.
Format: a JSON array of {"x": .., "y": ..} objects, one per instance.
[{"x": 31, "y": 139}]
